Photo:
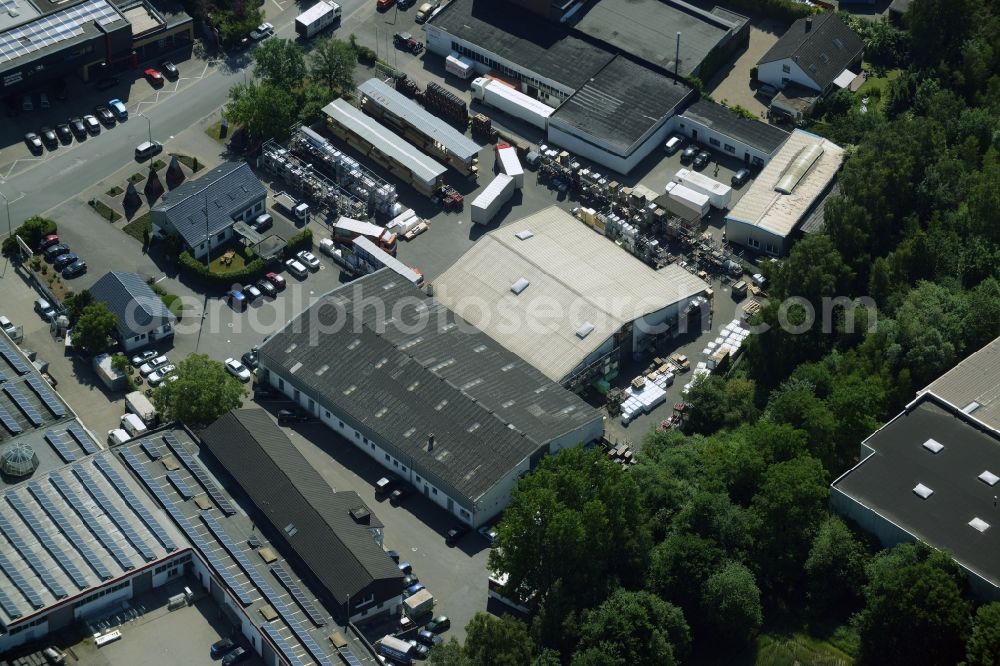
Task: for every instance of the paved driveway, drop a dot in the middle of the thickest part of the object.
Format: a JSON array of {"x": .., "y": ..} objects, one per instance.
[{"x": 732, "y": 83}]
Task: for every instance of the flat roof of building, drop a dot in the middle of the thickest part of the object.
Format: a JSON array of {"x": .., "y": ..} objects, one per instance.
[
  {"x": 423, "y": 372},
  {"x": 647, "y": 30},
  {"x": 974, "y": 385},
  {"x": 763, "y": 136},
  {"x": 887, "y": 481},
  {"x": 548, "y": 49},
  {"x": 429, "y": 125},
  {"x": 15, "y": 12},
  {"x": 52, "y": 32},
  {"x": 592, "y": 286},
  {"x": 621, "y": 104},
  {"x": 390, "y": 144},
  {"x": 763, "y": 206}
]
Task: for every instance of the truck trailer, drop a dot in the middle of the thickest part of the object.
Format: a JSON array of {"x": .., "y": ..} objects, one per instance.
[
  {"x": 719, "y": 195},
  {"x": 459, "y": 65},
  {"x": 685, "y": 203},
  {"x": 317, "y": 18},
  {"x": 492, "y": 198},
  {"x": 494, "y": 93},
  {"x": 418, "y": 605},
  {"x": 509, "y": 164}
]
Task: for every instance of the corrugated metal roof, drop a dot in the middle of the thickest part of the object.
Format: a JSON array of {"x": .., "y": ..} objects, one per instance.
[
  {"x": 760, "y": 135},
  {"x": 975, "y": 380},
  {"x": 391, "y": 145},
  {"x": 431, "y": 126},
  {"x": 581, "y": 274}
]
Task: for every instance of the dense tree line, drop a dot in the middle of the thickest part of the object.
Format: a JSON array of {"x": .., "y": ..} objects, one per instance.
[{"x": 724, "y": 531}]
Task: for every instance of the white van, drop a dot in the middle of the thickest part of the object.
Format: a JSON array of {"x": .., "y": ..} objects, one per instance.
[
  {"x": 673, "y": 144},
  {"x": 147, "y": 149},
  {"x": 117, "y": 436},
  {"x": 133, "y": 425}
]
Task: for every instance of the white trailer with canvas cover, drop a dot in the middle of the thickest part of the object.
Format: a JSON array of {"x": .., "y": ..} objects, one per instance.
[
  {"x": 317, "y": 18},
  {"x": 719, "y": 195},
  {"x": 510, "y": 165},
  {"x": 501, "y": 96},
  {"x": 492, "y": 198}
]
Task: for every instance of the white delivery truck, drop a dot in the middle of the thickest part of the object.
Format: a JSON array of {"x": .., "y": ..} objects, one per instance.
[
  {"x": 418, "y": 605},
  {"x": 501, "y": 96},
  {"x": 509, "y": 164},
  {"x": 719, "y": 195},
  {"x": 317, "y": 18},
  {"x": 139, "y": 404},
  {"x": 459, "y": 65},
  {"x": 492, "y": 198},
  {"x": 298, "y": 212},
  {"x": 133, "y": 425}
]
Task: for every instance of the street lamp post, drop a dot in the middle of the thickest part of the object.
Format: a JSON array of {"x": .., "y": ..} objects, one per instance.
[
  {"x": 149, "y": 125},
  {"x": 10, "y": 229}
]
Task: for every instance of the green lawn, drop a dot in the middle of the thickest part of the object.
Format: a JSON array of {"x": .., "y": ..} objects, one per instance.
[
  {"x": 876, "y": 88},
  {"x": 237, "y": 263},
  {"x": 114, "y": 191},
  {"x": 798, "y": 650},
  {"x": 136, "y": 178},
  {"x": 188, "y": 161},
  {"x": 104, "y": 211},
  {"x": 136, "y": 227}
]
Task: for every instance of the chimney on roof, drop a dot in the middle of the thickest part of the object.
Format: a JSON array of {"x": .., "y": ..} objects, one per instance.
[
  {"x": 430, "y": 442},
  {"x": 809, "y": 23}
]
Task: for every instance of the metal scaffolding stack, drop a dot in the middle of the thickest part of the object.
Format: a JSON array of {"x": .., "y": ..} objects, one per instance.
[
  {"x": 303, "y": 177},
  {"x": 379, "y": 195}
]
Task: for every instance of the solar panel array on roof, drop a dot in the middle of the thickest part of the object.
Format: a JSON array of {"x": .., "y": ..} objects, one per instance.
[
  {"x": 349, "y": 657},
  {"x": 300, "y": 598},
  {"x": 81, "y": 437},
  {"x": 116, "y": 516},
  {"x": 68, "y": 530},
  {"x": 61, "y": 445},
  {"x": 47, "y": 541},
  {"x": 58, "y": 27},
  {"x": 13, "y": 358},
  {"x": 20, "y": 582},
  {"x": 22, "y": 403},
  {"x": 283, "y": 645},
  {"x": 138, "y": 507},
  {"x": 199, "y": 473},
  {"x": 31, "y": 557},
  {"x": 9, "y": 606},
  {"x": 179, "y": 484},
  {"x": 152, "y": 449},
  {"x": 45, "y": 395},
  {"x": 9, "y": 422},
  {"x": 96, "y": 528}
]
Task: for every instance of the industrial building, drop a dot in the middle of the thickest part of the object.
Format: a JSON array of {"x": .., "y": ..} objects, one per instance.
[
  {"x": 42, "y": 40},
  {"x": 619, "y": 116},
  {"x": 722, "y": 129},
  {"x": 932, "y": 474},
  {"x": 784, "y": 194},
  {"x": 567, "y": 300},
  {"x": 382, "y": 146},
  {"x": 421, "y": 128},
  {"x": 435, "y": 401}
]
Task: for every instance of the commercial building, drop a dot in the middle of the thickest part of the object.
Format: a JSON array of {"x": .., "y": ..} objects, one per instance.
[
  {"x": 619, "y": 116},
  {"x": 435, "y": 401},
  {"x": 142, "y": 317},
  {"x": 784, "y": 194},
  {"x": 973, "y": 385},
  {"x": 42, "y": 40},
  {"x": 815, "y": 55},
  {"x": 202, "y": 212},
  {"x": 565, "y": 299},
  {"x": 722, "y": 129},
  {"x": 385, "y": 148}
]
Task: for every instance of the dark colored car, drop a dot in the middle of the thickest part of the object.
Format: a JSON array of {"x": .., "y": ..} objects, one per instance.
[
  {"x": 108, "y": 82},
  {"x": 400, "y": 494},
  {"x": 59, "y": 90},
  {"x": 64, "y": 132},
  {"x": 418, "y": 650},
  {"x": 78, "y": 128},
  {"x": 104, "y": 114},
  {"x": 409, "y": 579},
  {"x": 689, "y": 154},
  {"x": 64, "y": 260},
  {"x": 455, "y": 534},
  {"x": 235, "y": 657},
  {"x": 410, "y": 590},
  {"x": 405, "y": 567},
  {"x": 169, "y": 69},
  {"x": 406, "y": 4},
  {"x": 79, "y": 267},
  {"x": 701, "y": 161},
  {"x": 49, "y": 138},
  {"x": 266, "y": 288},
  {"x": 249, "y": 359},
  {"x": 220, "y": 648},
  {"x": 741, "y": 177},
  {"x": 54, "y": 251},
  {"x": 34, "y": 142},
  {"x": 438, "y": 625},
  {"x": 428, "y": 638}
]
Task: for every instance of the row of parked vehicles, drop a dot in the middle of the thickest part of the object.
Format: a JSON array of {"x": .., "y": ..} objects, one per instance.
[
  {"x": 268, "y": 287},
  {"x": 62, "y": 259},
  {"x": 78, "y": 127}
]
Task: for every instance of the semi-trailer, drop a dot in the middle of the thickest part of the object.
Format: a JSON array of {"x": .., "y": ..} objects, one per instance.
[
  {"x": 317, "y": 18},
  {"x": 494, "y": 93}
]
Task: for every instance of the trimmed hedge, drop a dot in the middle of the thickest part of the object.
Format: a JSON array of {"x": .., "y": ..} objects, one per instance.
[
  {"x": 32, "y": 231},
  {"x": 195, "y": 268},
  {"x": 300, "y": 241}
]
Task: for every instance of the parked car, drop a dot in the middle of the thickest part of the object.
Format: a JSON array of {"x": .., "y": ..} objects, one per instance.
[
  {"x": 169, "y": 69},
  {"x": 44, "y": 309},
  {"x": 386, "y": 485},
  {"x": 78, "y": 267},
  {"x": 438, "y": 625},
  {"x": 428, "y": 638},
  {"x": 276, "y": 280},
  {"x": 406, "y": 4},
  {"x": 759, "y": 280},
  {"x": 410, "y": 590},
  {"x": 104, "y": 114},
  {"x": 673, "y": 144},
  {"x": 238, "y": 370},
  {"x": 236, "y": 299},
  {"x": 399, "y": 494},
  {"x": 64, "y": 133},
  {"x": 27, "y": 104},
  {"x": 64, "y": 260},
  {"x": 118, "y": 108},
  {"x": 405, "y": 567},
  {"x": 702, "y": 159},
  {"x": 92, "y": 124},
  {"x": 263, "y": 222},
  {"x": 296, "y": 269},
  {"x": 48, "y": 241},
  {"x": 408, "y": 579},
  {"x": 289, "y": 416},
  {"x": 78, "y": 128},
  {"x": 455, "y": 534},
  {"x": 406, "y": 42},
  {"x": 10, "y": 329},
  {"x": 219, "y": 648},
  {"x": 249, "y": 359},
  {"x": 49, "y": 138},
  {"x": 34, "y": 142},
  {"x": 741, "y": 177},
  {"x": 59, "y": 89},
  {"x": 309, "y": 259},
  {"x": 263, "y": 31},
  {"x": 107, "y": 82},
  {"x": 418, "y": 650},
  {"x": 43, "y": 101},
  {"x": 153, "y": 76},
  {"x": 252, "y": 293},
  {"x": 689, "y": 154},
  {"x": 235, "y": 657},
  {"x": 489, "y": 533},
  {"x": 54, "y": 251},
  {"x": 142, "y": 357},
  {"x": 147, "y": 149},
  {"x": 149, "y": 366},
  {"x": 266, "y": 288},
  {"x": 382, "y": 5},
  {"x": 425, "y": 10},
  {"x": 157, "y": 376}
]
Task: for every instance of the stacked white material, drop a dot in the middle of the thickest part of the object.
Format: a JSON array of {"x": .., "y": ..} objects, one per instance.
[
  {"x": 642, "y": 401},
  {"x": 719, "y": 195},
  {"x": 701, "y": 371},
  {"x": 510, "y": 165},
  {"x": 490, "y": 200},
  {"x": 403, "y": 222}
]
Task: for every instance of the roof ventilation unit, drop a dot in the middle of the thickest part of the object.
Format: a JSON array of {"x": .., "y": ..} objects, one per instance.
[
  {"x": 989, "y": 478},
  {"x": 922, "y": 491},
  {"x": 979, "y": 524},
  {"x": 519, "y": 286},
  {"x": 933, "y": 446},
  {"x": 585, "y": 329},
  {"x": 525, "y": 234}
]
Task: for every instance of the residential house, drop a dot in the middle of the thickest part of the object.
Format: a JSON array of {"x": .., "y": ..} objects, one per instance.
[{"x": 143, "y": 318}]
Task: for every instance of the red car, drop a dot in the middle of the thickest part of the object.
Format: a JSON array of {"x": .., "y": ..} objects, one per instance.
[
  {"x": 383, "y": 5},
  {"x": 48, "y": 241},
  {"x": 154, "y": 77},
  {"x": 276, "y": 280}
]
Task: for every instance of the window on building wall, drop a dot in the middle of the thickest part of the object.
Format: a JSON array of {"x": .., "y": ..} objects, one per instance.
[
  {"x": 364, "y": 440},
  {"x": 730, "y": 149},
  {"x": 753, "y": 242},
  {"x": 357, "y": 435},
  {"x": 418, "y": 478},
  {"x": 297, "y": 394},
  {"x": 434, "y": 491},
  {"x": 221, "y": 236},
  {"x": 465, "y": 514},
  {"x": 395, "y": 463},
  {"x": 281, "y": 384},
  {"x": 327, "y": 414},
  {"x": 387, "y": 458},
  {"x": 373, "y": 446},
  {"x": 714, "y": 142},
  {"x": 403, "y": 468},
  {"x": 340, "y": 422},
  {"x": 786, "y": 69}
]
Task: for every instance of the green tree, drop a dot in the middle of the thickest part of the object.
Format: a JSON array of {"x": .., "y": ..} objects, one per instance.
[
  {"x": 75, "y": 304},
  {"x": 92, "y": 332},
  {"x": 203, "y": 392},
  {"x": 679, "y": 567},
  {"x": 236, "y": 23},
  {"x": 732, "y": 464},
  {"x": 497, "y": 641},
  {"x": 795, "y": 403},
  {"x": 280, "y": 62},
  {"x": 333, "y": 61},
  {"x": 263, "y": 109},
  {"x": 983, "y": 647},
  {"x": 834, "y": 569},
  {"x": 313, "y": 97},
  {"x": 637, "y": 627},
  {"x": 31, "y": 231},
  {"x": 982, "y": 319},
  {"x": 939, "y": 27},
  {"x": 449, "y": 653},
  {"x": 717, "y": 403},
  {"x": 731, "y": 605}
]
